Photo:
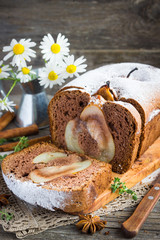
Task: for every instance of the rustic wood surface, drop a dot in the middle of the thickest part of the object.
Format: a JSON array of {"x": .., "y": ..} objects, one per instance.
[{"x": 104, "y": 31}]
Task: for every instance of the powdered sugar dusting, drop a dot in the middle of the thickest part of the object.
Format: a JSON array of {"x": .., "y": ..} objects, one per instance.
[
  {"x": 92, "y": 80},
  {"x": 143, "y": 85},
  {"x": 36, "y": 194},
  {"x": 153, "y": 114},
  {"x": 97, "y": 100}
]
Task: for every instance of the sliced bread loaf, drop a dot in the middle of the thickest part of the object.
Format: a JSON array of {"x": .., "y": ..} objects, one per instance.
[{"x": 52, "y": 178}]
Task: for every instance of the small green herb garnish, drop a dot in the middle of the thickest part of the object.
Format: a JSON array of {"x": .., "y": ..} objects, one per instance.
[
  {"x": 2, "y": 157},
  {"x": 23, "y": 143},
  {"x": 4, "y": 140},
  {"x": 5, "y": 215},
  {"x": 118, "y": 185}
]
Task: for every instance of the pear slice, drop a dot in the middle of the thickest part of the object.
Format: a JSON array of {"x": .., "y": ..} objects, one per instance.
[
  {"x": 48, "y": 156},
  {"x": 47, "y": 174},
  {"x": 71, "y": 137},
  {"x": 98, "y": 129}
]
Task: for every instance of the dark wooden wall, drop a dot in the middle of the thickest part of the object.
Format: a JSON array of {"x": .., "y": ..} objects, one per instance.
[{"x": 104, "y": 31}]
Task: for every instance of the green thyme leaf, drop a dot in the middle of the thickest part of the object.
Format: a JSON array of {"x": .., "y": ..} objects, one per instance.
[
  {"x": 5, "y": 215},
  {"x": 1, "y": 158},
  {"x": 121, "y": 187},
  {"x": 23, "y": 143},
  {"x": 4, "y": 140},
  {"x": 134, "y": 197}
]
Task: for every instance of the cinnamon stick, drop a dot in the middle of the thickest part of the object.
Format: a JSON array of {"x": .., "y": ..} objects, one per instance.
[
  {"x": 6, "y": 119},
  {"x": 10, "y": 146},
  {"x": 18, "y": 132}
]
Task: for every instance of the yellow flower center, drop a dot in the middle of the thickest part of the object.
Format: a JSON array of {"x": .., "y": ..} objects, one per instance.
[
  {"x": 25, "y": 70},
  {"x": 18, "y": 49},
  {"x": 71, "y": 68},
  {"x": 55, "y": 48},
  {"x": 52, "y": 76},
  {"x": 0, "y": 70}
]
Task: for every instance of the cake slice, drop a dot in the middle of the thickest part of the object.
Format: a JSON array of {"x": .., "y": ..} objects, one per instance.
[{"x": 53, "y": 178}]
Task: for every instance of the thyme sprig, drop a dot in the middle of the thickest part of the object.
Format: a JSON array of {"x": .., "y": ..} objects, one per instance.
[
  {"x": 2, "y": 157},
  {"x": 6, "y": 140},
  {"x": 23, "y": 143},
  {"x": 121, "y": 187},
  {"x": 5, "y": 215}
]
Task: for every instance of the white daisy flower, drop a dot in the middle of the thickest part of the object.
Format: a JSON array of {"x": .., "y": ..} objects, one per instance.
[
  {"x": 54, "y": 51},
  {"x": 25, "y": 74},
  {"x": 5, "y": 104},
  {"x": 4, "y": 70},
  {"x": 20, "y": 51},
  {"x": 73, "y": 67},
  {"x": 51, "y": 75}
]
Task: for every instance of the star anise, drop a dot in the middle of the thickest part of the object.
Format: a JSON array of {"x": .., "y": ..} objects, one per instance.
[
  {"x": 4, "y": 199},
  {"x": 89, "y": 224}
]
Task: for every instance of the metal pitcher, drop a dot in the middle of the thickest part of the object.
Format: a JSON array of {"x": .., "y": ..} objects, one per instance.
[{"x": 33, "y": 106}]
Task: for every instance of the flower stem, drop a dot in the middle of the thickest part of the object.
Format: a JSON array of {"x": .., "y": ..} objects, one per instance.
[
  {"x": 13, "y": 85},
  {"x": 9, "y": 78}
]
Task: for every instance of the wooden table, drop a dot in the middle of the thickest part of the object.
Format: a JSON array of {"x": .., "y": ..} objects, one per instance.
[
  {"x": 104, "y": 32},
  {"x": 150, "y": 229}
]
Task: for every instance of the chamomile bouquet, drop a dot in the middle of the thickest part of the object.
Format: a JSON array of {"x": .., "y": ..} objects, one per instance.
[{"x": 59, "y": 65}]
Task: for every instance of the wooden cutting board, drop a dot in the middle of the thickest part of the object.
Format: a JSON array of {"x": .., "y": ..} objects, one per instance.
[{"x": 144, "y": 166}]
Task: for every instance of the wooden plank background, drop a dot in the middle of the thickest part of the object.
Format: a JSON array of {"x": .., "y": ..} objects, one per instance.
[{"x": 104, "y": 31}]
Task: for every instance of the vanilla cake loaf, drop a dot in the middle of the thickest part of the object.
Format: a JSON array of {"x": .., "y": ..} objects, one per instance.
[
  {"x": 111, "y": 113},
  {"x": 52, "y": 178}
]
